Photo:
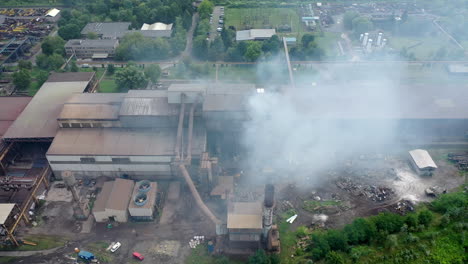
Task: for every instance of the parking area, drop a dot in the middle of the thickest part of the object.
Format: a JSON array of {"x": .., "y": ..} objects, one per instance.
[{"x": 216, "y": 21}]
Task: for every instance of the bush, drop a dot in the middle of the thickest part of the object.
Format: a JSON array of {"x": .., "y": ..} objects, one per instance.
[
  {"x": 388, "y": 222},
  {"x": 360, "y": 231},
  {"x": 337, "y": 240},
  {"x": 334, "y": 258},
  {"x": 425, "y": 217},
  {"x": 319, "y": 246},
  {"x": 411, "y": 220},
  {"x": 450, "y": 201}
]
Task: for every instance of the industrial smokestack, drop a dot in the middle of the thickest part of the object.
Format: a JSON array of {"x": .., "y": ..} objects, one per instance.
[
  {"x": 379, "y": 39},
  {"x": 384, "y": 42},
  {"x": 364, "y": 40},
  {"x": 268, "y": 206},
  {"x": 369, "y": 45},
  {"x": 361, "y": 37}
]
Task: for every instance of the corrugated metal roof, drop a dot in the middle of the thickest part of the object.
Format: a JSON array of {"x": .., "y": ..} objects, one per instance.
[
  {"x": 10, "y": 108},
  {"x": 93, "y": 43},
  {"x": 156, "y": 26},
  {"x": 96, "y": 98},
  {"x": 71, "y": 77},
  {"x": 5, "y": 210},
  {"x": 422, "y": 158},
  {"x": 52, "y": 12},
  {"x": 156, "y": 106},
  {"x": 39, "y": 118},
  {"x": 224, "y": 103},
  {"x": 253, "y": 34},
  {"x": 103, "y": 197},
  {"x": 120, "y": 195},
  {"x": 122, "y": 142},
  {"x": 243, "y": 215},
  {"x": 89, "y": 112}
]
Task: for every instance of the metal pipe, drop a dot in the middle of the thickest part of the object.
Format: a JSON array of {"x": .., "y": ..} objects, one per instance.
[
  {"x": 180, "y": 127},
  {"x": 190, "y": 133},
  {"x": 286, "y": 52},
  {"x": 197, "y": 197}
]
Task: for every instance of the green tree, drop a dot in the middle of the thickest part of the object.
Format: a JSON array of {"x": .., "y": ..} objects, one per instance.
[
  {"x": 362, "y": 25},
  {"x": 200, "y": 47},
  {"x": 52, "y": 45},
  {"x": 24, "y": 64},
  {"x": 22, "y": 79},
  {"x": 411, "y": 220},
  {"x": 334, "y": 258},
  {"x": 260, "y": 257},
  {"x": 130, "y": 78},
  {"x": 254, "y": 50},
  {"x": 70, "y": 31},
  {"x": 153, "y": 72},
  {"x": 74, "y": 67},
  {"x": 216, "y": 52},
  {"x": 319, "y": 246},
  {"x": 307, "y": 39},
  {"x": 92, "y": 35},
  {"x": 388, "y": 222},
  {"x": 205, "y": 9},
  {"x": 110, "y": 69},
  {"x": 425, "y": 217},
  {"x": 52, "y": 62},
  {"x": 42, "y": 77},
  {"x": 348, "y": 18},
  {"x": 360, "y": 231},
  {"x": 337, "y": 240}
]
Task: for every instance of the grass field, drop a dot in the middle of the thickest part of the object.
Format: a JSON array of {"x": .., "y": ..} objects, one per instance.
[
  {"x": 246, "y": 18},
  {"x": 423, "y": 48},
  {"x": 30, "y": 2}
]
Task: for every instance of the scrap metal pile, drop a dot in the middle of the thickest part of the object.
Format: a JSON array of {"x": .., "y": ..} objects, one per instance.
[
  {"x": 460, "y": 160},
  {"x": 23, "y": 12},
  {"x": 371, "y": 192},
  {"x": 20, "y": 28}
]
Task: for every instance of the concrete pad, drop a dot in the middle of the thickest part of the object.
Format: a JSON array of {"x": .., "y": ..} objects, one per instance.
[{"x": 58, "y": 194}]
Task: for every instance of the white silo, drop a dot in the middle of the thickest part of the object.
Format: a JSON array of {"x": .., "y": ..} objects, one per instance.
[
  {"x": 379, "y": 39},
  {"x": 369, "y": 45},
  {"x": 364, "y": 40}
]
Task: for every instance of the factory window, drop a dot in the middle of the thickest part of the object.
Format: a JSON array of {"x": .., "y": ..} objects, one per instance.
[
  {"x": 75, "y": 125},
  {"x": 65, "y": 125},
  {"x": 87, "y": 125},
  {"x": 87, "y": 160},
  {"x": 121, "y": 160},
  {"x": 97, "y": 125}
]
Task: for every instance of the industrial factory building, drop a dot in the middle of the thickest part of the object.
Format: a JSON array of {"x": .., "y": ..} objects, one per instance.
[
  {"x": 422, "y": 162},
  {"x": 143, "y": 203},
  {"x": 117, "y": 30},
  {"x": 10, "y": 108},
  {"x": 112, "y": 202},
  {"x": 244, "y": 222},
  {"x": 91, "y": 48},
  {"x": 38, "y": 121},
  {"x": 255, "y": 34}
]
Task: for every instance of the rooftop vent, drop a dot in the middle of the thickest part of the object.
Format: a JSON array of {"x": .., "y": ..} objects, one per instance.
[
  {"x": 144, "y": 186},
  {"x": 141, "y": 199}
]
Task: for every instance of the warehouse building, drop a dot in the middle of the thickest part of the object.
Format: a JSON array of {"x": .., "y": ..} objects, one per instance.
[
  {"x": 10, "y": 108},
  {"x": 117, "y": 30},
  {"x": 164, "y": 30},
  {"x": 91, "y": 48},
  {"x": 422, "y": 162},
  {"x": 38, "y": 121},
  {"x": 112, "y": 202},
  {"x": 142, "y": 207}
]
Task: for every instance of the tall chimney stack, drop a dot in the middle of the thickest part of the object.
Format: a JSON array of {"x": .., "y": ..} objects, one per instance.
[{"x": 268, "y": 207}]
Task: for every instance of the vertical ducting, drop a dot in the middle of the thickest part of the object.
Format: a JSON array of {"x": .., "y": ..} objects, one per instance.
[
  {"x": 190, "y": 133},
  {"x": 268, "y": 206},
  {"x": 180, "y": 127}
]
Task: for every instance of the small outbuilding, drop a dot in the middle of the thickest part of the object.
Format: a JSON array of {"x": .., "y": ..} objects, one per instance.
[
  {"x": 422, "y": 162},
  {"x": 244, "y": 223},
  {"x": 143, "y": 204},
  {"x": 112, "y": 202}
]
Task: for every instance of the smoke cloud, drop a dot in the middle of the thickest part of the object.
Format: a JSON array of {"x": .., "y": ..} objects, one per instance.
[{"x": 298, "y": 132}]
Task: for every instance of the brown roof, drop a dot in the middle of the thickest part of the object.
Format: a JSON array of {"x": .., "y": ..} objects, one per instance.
[
  {"x": 103, "y": 197},
  {"x": 96, "y": 98},
  {"x": 39, "y": 118},
  {"x": 71, "y": 77},
  {"x": 115, "y": 195},
  {"x": 120, "y": 195},
  {"x": 122, "y": 142},
  {"x": 244, "y": 215},
  {"x": 89, "y": 112},
  {"x": 10, "y": 108}
]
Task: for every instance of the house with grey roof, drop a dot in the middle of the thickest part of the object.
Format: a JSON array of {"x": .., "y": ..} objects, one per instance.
[
  {"x": 254, "y": 34},
  {"x": 91, "y": 48}
]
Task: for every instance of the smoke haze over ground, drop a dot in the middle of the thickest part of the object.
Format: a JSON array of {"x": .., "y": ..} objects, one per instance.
[{"x": 303, "y": 130}]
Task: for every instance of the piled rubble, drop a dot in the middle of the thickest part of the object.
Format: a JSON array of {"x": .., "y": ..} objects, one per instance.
[
  {"x": 460, "y": 160},
  {"x": 197, "y": 240},
  {"x": 371, "y": 192},
  {"x": 404, "y": 206},
  {"x": 435, "y": 191}
]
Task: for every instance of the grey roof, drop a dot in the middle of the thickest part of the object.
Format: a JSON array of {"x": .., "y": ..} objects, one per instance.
[
  {"x": 147, "y": 103},
  {"x": 5, "y": 211},
  {"x": 422, "y": 159},
  {"x": 458, "y": 68},
  {"x": 39, "y": 118},
  {"x": 106, "y": 28},
  {"x": 71, "y": 77},
  {"x": 254, "y": 34},
  {"x": 89, "y": 112},
  {"x": 97, "y": 98},
  {"x": 94, "y": 43},
  {"x": 122, "y": 142}
]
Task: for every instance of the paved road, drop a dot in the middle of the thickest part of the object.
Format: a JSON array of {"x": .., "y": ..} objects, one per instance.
[{"x": 217, "y": 12}]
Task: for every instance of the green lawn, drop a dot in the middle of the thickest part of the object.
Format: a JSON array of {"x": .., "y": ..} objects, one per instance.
[
  {"x": 108, "y": 86},
  {"x": 246, "y": 18},
  {"x": 43, "y": 242},
  {"x": 7, "y": 259},
  {"x": 423, "y": 48}
]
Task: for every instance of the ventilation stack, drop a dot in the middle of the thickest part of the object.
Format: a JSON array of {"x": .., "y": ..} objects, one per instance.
[
  {"x": 364, "y": 40},
  {"x": 268, "y": 207}
]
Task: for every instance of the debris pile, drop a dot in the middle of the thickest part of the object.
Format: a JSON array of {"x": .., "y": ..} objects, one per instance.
[
  {"x": 372, "y": 192},
  {"x": 460, "y": 160},
  {"x": 197, "y": 240},
  {"x": 404, "y": 206},
  {"x": 435, "y": 191}
]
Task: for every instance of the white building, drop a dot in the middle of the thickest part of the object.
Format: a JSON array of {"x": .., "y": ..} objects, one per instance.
[
  {"x": 422, "y": 162},
  {"x": 112, "y": 202}
]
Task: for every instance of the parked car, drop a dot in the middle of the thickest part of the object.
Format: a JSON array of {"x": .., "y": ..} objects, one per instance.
[
  {"x": 115, "y": 247},
  {"x": 221, "y": 21},
  {"x": 219, "y": 29},
  {"x": 138, "y": 256}
]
